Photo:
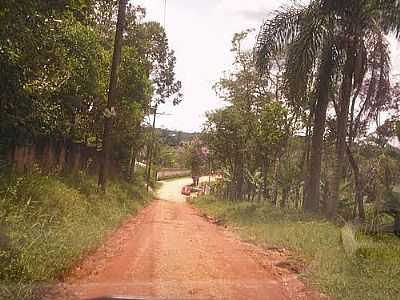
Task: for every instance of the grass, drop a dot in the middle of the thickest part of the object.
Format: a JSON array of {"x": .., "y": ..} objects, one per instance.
[
  {"x": 49, "y": 223},
  {"x": 373, "y": 272}
]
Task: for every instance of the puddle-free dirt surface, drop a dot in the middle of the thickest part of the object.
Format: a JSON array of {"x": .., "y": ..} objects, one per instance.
[{"x": 169, "y": 251}]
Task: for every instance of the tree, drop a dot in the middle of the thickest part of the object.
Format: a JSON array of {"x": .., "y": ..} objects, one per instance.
[
  {"x": 249, "y": 134},
  {"x": 338, "y": 29},
  {"x": 162, "y": 73},
  {"x": 360, "y": 22},
  {"x": 56, "y": 60},
  {"x": 303, "y": 31},
  {"x": 109, "y": 113}
]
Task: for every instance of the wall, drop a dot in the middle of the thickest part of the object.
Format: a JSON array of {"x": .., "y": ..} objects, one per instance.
[{"x": 172, "y": 173}]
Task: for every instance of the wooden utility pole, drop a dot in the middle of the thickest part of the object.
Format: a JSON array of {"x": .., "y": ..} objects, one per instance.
[{"x": 109, "y": 112}]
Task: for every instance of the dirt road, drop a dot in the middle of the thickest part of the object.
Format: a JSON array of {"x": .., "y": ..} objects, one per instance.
[
  {"x": 170, "y": 189},
  {"x": 170, "y": 252}
]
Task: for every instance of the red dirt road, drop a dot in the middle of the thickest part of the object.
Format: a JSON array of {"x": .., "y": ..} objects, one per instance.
[{"x": 170, "y": 252}]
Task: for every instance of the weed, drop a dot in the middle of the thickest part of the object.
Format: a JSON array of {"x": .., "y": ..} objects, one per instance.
[
  {"x": 49, "y": 223},
  {"x": 372, "y": 272}
]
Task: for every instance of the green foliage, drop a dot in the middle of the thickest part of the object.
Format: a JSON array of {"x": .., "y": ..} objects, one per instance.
[
  {"x": 247, "y": 136},
  {"x": 194, "y": 158},
  {"x": 169, "y": 157},
  {"x": 335, "y": 52},
  {"x": 55, "y": 61},
  {"x": 392, "y": 202},
  {"x": 271, "y": 130},
  {"x": 49, "y": 223},
  {"x": 371, "y": 273}
]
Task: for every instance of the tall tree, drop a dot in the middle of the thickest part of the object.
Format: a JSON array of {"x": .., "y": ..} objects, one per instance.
[
  {"x": 304, "y": 32},
  {"x": 162, "y": 72},
  {"x": 357, "y": 22},
  {"x": 109, "y": 113}
]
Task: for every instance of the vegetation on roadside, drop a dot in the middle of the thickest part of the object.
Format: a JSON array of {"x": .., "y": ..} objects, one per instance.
[
  {"x": 312, "y": 126},
  {"x": 65, "y": 119},
  {"x": 312, "y": 114},
  {"x": 48, "y": 223},
  {"x": 55, "y": 65},
  {"x": 372, "y": 272}
]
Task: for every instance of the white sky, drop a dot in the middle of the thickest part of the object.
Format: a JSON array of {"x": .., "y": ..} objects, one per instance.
[{"x": 200, "y": 32}]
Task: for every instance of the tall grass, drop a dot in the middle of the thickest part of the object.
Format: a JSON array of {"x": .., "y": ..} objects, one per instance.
[
  {"x": 48, "y": 223},
  {"x": 373, "y": 272}
]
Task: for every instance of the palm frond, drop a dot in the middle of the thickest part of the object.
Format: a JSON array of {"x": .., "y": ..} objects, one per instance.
[
  {"x": 390, "y": 15},
  {"x": 304, "y": 53},
  {"x": 377, "y": 95},
  {"x": 275, "y": 34},
  {"x": 383, "y": 88}
]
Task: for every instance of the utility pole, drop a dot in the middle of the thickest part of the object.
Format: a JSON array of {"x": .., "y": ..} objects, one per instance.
[{"x": 109, "y": 112}]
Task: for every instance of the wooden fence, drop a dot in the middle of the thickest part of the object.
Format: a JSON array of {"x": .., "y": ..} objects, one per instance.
[
  {"x": 56, "y": 156},
  {"x": 172, "y": 173}
]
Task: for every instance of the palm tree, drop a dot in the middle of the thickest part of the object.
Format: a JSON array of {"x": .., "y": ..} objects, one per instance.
[
  {"x": 357, "y": 22},
  {"x": 327, "y": 38},
  {"x": 305, "y": 34},
  {"x": 369, "y": 102}
]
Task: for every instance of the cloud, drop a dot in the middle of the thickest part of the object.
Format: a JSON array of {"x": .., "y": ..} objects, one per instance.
[
  {"x": 251, "y": 12},
  {"x": 252, "y": 15},
  {"x": 249, "y": 5}
]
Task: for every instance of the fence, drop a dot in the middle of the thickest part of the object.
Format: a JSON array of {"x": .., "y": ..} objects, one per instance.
[
  {"x": 172, "y": 173},
  {"x": 52, "y": 155}
]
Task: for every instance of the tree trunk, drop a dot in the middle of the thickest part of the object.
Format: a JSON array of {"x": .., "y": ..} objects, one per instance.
[
  {"x": 311, "y": 203},
  {"x": 150, "y": 151},
  {"x": 276, "y": 183},
  {"x": 342, "y": 125},
  {"x": 359, "y": 201},
  {"x": 112, "y": 93},
  {"x": 238, "y": 177},
  {"x": 305, "y": 162},
  {"x": 132, "y": 164},
  {"x": 265, "y": 179},
  {"x": 297, "y": 198},
  {"x": 240, "y": 182},
  {"x": 285, "y": 194},
  {"x": 313, "y": 187}
]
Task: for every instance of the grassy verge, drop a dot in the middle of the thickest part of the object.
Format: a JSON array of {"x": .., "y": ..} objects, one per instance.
[
  {"x": 372, "y": 273},
  {"x": 48, "y": 223}
]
